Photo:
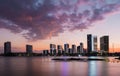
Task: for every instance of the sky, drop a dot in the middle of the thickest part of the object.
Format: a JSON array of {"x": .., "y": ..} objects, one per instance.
[{"x": 41, "y": 22}]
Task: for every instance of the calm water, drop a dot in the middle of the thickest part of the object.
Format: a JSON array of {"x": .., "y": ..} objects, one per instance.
[{"x": 44, "y": 66}]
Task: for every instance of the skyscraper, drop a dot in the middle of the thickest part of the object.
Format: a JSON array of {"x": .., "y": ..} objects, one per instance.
[
  {"x": 78, "y": 49},
  {"x": 81, "y": 48},
  {"x": 89, "y": 43},
  {"x": 59, "y": 48},
  {"x": 104, "y": 43},
  {"x": 52, "y": 49},
  {"x": 70, "y": 51},
  {"x": 45, "y": 52},
  {"x": 7, "y": 47},
  {"x": 94, "y": 43},
  {"x": 74, "y": 48},
  {"x": 66, "y": 47},
  {"x": 29, "y": 49}
]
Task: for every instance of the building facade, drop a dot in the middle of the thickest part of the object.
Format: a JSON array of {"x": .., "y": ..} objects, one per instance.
[
  {"x": 70, "y": 51},
  {"x": 78, "y": 49},
  {"x": 7, "y": 47},
  {"x": 45, "y": 52},
  {"x": 52, "y": 49},
  {"x": 81, "y": 48},
  {"x": 60, "y": 49},
  {"x": 74, "y": 48},
  {"x": 66, "y": 48},
  {"x": 95, "y": 44},
  {"x": 91, "y": 43},
  {"x": 29, "y": 49},
  {"x": 104, "y": 43}
]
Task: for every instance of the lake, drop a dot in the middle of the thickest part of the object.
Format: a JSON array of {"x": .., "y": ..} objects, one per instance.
[{"x": 44, "y": 66}]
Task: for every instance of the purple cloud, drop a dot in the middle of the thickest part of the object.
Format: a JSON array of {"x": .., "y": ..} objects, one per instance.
[{"x": 41, "y": 19}]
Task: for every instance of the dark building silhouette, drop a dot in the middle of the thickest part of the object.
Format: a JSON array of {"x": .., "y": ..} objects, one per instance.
[
  {"x": 52, "y": 49},
  {"x": 45, "y": 52},
  {"x": 29, "y": 49},
  {"x": 60, "y": 49},
  {"x": 66, "y": 48},
  {"x": 74, "y": 48},
  {"x": 70, "y": 51},
  {"x": 7, "y": 47},
  {"x": 78, "y": 49},
  {"x": 81, "y": 48},
  {"x": 104, "y": 43},
  {"x": 89, "y": 43},
  {"x": 94, "y": 44}
]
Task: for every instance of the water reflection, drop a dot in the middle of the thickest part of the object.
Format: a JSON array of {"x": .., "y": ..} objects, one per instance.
[
  {"x": 37, "y": 66},
  {"x": 64, "y": 69},
  {"x": 7, "y": 68},
  {"x": 104, "y": 69},
  {"x": 29, "y": 67},
  {"x": 12, "y": 67},
  {"x": 98, "y": 68},
  {"x": 92, "y": 68}
]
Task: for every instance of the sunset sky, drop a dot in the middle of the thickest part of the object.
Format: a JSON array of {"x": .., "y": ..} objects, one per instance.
[{"x": 41, "y": 22}]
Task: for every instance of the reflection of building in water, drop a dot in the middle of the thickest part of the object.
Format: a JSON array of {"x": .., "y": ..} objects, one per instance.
[
  {"x": 64, "y": 69},
  {"x": 92, "y": 68},
  {"x": 98, "y": 68},
  {"x": 104, "y": 69}
]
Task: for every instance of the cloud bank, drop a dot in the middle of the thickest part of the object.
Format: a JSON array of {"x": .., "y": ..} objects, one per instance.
[{"x": 40, "y": 19}]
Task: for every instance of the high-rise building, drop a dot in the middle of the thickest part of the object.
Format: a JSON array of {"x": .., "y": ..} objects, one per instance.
[
  {"x": 91, "y": 43},
  {"x": 66, "y": 48},
  {"x": 59, "y": 48},
  {"x": 74, "y": 48},
  {"x": 45, "y": 52},
  {"x": 78, "y": 49},
  {"x": 94, "y": 43},
  {"x": 29, "y": 49},
  {"x": 81, "y": 48},
  {"x": 70, "y": 51},
  {"x": 104, "y": 43},
  {"x": 52, "y": 49},
  {"x": 7, "y": 47}
]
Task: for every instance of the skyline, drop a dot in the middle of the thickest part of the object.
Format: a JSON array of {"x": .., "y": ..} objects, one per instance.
[
  {"x": 53, "y": 48},
  {"x": 17, "y": 21},
  {"x": 92, "y": 45}
]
